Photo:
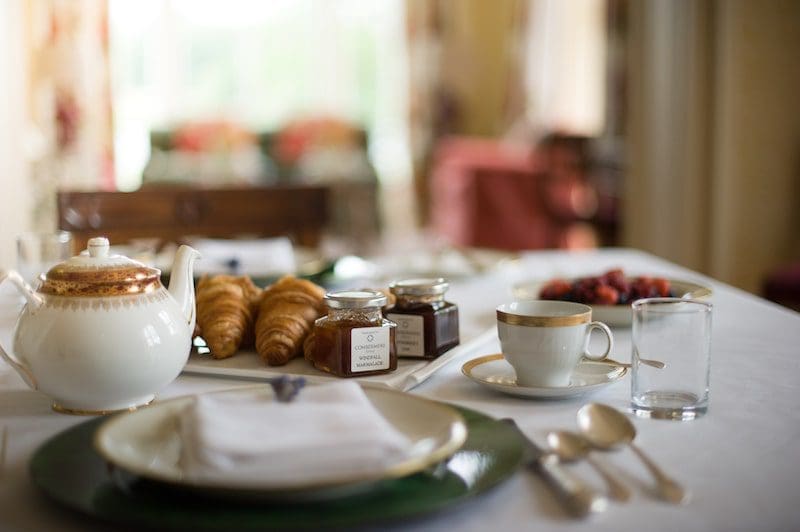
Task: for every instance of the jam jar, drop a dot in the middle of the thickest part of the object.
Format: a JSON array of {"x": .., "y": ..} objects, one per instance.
[
  {"x": 354, "y": 339},
  {"x": 427, "y": 325}
]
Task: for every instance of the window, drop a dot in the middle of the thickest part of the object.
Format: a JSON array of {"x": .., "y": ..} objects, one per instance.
[
  {"x": 259, "y": 64},
  {"x": 566, "y": 65}
]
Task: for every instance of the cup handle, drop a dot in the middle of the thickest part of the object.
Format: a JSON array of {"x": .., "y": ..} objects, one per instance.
[
  {"x": 16, "y": 364},
  {"x": 602, "y": 327}
]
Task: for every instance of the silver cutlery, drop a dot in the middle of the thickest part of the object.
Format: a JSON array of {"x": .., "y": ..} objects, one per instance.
[
  {"x": 578, "y": 498},
  {"x": 606, "y": 428},
  {"x": 646, "y": 361},
  {"x": 611, "y": 362},
  {"x": 571, "y": 447}
]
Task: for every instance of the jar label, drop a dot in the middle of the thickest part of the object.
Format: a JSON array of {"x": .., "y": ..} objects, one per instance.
[
  {"x": 409, "y": 335},
  {"x": 369, "y": 349}
]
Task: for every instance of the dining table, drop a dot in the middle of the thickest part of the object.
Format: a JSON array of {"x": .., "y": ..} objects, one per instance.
[{"x": 741, "y": 460}]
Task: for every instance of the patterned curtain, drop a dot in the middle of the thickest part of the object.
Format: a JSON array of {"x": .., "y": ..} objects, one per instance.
[{"x": 69, "y": 103}]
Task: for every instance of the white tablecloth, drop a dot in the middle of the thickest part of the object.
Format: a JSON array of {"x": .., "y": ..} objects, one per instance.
[{"x": 741, "y": 461}]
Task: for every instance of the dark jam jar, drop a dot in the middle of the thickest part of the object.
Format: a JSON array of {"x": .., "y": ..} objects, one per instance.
[
  {"x": 354, "y": 339},
  {"x": 427, "y": 325}
]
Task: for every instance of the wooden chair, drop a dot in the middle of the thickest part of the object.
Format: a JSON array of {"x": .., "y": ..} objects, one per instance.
[{"x": 171, "y": 213}]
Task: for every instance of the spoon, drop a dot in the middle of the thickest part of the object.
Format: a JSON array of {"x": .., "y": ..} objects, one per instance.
[
  {"x": 606, "y": 428},
  {"x": 570, "y": 447},
  {"x": 611, "y": 362},
  {"x": 646, "y": 361}
]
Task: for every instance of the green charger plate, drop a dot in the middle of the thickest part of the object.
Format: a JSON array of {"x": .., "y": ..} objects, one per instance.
[{"x": 68, "y": 470}]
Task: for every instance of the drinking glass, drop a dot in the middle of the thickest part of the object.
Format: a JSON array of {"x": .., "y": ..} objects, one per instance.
[
  {"x": 675, "y": 331},
  {"x": 38, "y": 252}
]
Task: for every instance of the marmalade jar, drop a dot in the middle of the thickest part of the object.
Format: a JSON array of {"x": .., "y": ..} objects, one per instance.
[
  {"x": 427, "y": 325},
  {"x": 354, "y": 339}
]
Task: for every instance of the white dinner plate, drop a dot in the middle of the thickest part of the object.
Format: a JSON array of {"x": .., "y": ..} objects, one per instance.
[
  {"x": 613, "y": 315},
  {"x": 146, "y": 443},
  {"x": 494, "y": 372}
]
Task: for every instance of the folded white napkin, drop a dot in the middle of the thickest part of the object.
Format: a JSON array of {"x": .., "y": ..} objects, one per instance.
[
  {"x": 328, "y": 432},
  {"x": 263, "y": 256}
]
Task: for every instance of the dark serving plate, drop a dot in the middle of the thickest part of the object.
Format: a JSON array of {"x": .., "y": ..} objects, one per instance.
[{"x": 68, "y": 470}]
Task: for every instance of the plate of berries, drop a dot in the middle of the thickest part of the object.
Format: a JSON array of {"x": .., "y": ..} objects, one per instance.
[{"x": 610, "y": 295}]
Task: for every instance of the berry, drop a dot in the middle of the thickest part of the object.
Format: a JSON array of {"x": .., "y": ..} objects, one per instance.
[
  {"x": 606, "y": 295},
  {"x": 614, "y": 278},
  {"x": 556, "y": 289},
  {"x": 662, "y": 286},
  {"x": 611, "y": 288}
]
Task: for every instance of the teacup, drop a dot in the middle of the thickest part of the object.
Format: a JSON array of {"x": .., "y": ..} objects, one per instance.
[{"x": 545, "y": 340}]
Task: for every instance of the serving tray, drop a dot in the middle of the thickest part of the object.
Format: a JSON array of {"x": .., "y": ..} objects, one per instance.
[{"x": 410, "y": 372}]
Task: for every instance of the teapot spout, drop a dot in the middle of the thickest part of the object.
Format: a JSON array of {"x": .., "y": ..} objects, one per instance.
[
  {"x": 181, "y": 282},
  {"x": 34, "y": 300}
]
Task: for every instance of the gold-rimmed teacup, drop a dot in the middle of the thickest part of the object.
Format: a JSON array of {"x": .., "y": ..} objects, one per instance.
[{"x": 544, "y": 340}]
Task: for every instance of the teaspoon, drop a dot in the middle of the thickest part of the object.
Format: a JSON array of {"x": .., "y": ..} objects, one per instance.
[
  {"x": 611, "y": 362},
  {"x": 570, "y": 447},
  {"x": 606, "y": 428}
]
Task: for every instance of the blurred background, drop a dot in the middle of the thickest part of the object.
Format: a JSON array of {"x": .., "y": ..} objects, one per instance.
[{"x": 506, "y": 125}]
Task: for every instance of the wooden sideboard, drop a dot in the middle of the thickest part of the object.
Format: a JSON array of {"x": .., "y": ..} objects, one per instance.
[{"x": 171, "y": 213}]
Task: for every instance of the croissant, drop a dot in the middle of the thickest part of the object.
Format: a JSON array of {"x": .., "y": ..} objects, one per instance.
[
  {"x": 253, "y": 295},
  {"x": 286, "y": 314},
  {"x": 308, "y": 346},
  {"x": 226, "y": 309}
]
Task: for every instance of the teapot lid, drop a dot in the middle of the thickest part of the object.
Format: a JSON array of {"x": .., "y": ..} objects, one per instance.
[{"x": 95, "y": 273}]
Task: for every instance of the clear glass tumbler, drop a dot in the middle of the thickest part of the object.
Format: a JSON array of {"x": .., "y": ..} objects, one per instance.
[
  {"x": 676, "y": 332},
  {"x": 38, "y": 252}
]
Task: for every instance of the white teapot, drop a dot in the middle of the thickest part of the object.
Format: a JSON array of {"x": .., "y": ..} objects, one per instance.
[{"x": 102, "y": 333}]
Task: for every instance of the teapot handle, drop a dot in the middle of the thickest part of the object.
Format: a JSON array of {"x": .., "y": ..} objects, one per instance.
[{"x": 18, "y": 365}]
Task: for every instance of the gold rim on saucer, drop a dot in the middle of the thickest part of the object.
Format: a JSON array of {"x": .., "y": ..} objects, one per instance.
[
  {"x": 466, "y": 369},
  {"x": 508, "y": 385}
]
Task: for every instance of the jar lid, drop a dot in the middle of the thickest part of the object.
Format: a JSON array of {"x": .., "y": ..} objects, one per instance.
[
  {"x": 420, "y": 287},
  {"x": 95, "y": 273},
  {"x": 355, "y": 299}
]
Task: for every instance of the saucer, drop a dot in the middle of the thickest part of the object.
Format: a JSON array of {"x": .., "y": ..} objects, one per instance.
[{"x": 494, "y": 372}]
